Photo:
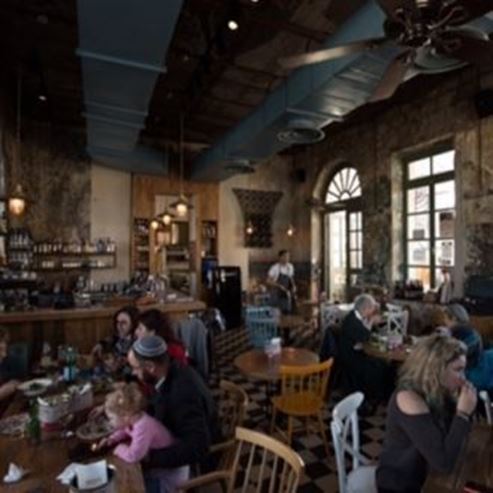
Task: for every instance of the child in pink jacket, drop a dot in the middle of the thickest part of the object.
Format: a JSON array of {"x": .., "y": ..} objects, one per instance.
[{"x": 137, "y": 433}]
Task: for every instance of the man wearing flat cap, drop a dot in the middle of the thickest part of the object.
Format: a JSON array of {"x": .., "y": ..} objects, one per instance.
[{"x": 182, "y": 402}]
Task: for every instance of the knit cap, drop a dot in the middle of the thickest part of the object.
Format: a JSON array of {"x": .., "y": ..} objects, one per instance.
[{"x": 150, "y": 346}]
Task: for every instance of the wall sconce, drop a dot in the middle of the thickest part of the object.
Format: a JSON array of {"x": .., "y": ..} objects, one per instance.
[{"x": 17, "y": 201}]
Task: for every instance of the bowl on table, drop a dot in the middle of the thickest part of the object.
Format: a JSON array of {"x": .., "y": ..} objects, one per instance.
[
  {"x": 35, "y": 387},
  {"x": 94, "y": 430}
]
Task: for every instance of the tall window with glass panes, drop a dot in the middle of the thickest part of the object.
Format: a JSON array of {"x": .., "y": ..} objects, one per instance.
[{"x": 430, "y": 218}]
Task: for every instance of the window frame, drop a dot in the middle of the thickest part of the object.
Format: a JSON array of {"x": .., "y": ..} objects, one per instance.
[{"x": 429, "y": 182}]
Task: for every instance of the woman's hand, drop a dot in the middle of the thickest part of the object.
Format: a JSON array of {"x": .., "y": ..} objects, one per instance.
[{"x": 468, "y": 399}]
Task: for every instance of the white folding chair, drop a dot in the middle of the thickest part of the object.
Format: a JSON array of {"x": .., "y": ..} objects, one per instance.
[
  {"x": 397, "y": 321},
  {"x": 345, "y": 437},
  {"x": 330, "y": 315},
  {"x": 488, "y": 406}
]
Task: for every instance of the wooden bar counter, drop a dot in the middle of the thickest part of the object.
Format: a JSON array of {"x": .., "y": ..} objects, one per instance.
[{"x": 79, "y": 327}]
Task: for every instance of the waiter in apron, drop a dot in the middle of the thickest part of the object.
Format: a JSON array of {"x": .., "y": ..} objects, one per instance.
[{"x": 281, "y": 281}]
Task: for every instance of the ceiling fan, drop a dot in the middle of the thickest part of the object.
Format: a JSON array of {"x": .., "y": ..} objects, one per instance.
[{"x": 435, "y": 26}]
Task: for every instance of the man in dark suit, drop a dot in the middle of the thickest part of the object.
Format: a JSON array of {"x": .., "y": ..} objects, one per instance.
[
  {"x": 370, "y": 375},
  {"x": 181, "y": 401}
]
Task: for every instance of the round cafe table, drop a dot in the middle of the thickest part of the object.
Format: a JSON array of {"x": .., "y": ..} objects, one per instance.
[
  {"x": 257, "y": 365},
  {"x": 396, "y": 355}
]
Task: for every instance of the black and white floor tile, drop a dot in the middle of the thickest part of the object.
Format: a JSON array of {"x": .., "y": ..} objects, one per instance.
[{"x": 320, "y": 471}]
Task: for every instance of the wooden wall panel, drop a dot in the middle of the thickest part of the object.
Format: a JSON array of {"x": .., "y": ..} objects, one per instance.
[{"x": 145, "y": 188}]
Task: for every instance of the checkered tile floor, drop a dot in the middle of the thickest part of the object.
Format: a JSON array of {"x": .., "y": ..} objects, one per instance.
[{"x": 320, "y": 472}]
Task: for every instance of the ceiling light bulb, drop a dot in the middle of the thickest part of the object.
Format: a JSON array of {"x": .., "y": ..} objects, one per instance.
[
  {"x": 166, "y": 218},
  {"x": 290, "y": 230},
  {"x": 254, "y": 1},
  {"x": 42, "y": 97},
  {"x": 233, "y": 25},
  {"x": 181, "y": 209},
  {"x": 154, "y": 224},
  {"x": 17, "y": 201},
  {"x": 16, "y": 206}
]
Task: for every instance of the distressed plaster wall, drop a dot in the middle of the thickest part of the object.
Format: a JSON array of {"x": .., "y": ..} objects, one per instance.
[{"x": 56, "y": 174}]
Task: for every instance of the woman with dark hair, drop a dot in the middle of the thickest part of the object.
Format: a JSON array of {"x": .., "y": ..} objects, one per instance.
[
  {"x": 125, "y": 322},
  {"x": 155, "y": 322}
]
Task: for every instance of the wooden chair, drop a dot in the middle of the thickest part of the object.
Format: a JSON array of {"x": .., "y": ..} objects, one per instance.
[
  {"x": 345, "y": 437},
  {"x": 232, "y": 410},
  {"x": 279, "y": 470},
  {"x": 303, "y": 390}
]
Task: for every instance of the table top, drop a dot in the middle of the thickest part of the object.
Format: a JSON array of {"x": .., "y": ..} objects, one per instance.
[
  {"x": 291, "y": 321},
  {"x": 399, "y": 355},
  {"x": 48, "y": 459},
  {"x": 256, "y": 364},
  {"x": 474, "y": 464}
]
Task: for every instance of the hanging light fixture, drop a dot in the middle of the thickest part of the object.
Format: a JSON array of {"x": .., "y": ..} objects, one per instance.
[
  {"x": 290, "y": 231},
  {"x": 17, "y": 200},
  {"x": 181, "y": 206},
  {"x": 249, "y": 228},
  {"x": 167, "y": 217}
]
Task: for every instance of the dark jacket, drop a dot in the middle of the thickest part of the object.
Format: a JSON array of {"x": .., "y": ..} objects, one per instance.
[
  {"x": 353, "y": 331},
  {"x": 184, "y": 404}
]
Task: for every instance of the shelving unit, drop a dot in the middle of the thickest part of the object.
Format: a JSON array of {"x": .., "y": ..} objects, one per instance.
[
  {"x": 61, "y": 261},
  {"x": 208, "y": 234},
  {"x": 140, "y": 246}
]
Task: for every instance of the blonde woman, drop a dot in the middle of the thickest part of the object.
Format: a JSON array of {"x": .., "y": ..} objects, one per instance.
[{"x": 428, "y": 416}]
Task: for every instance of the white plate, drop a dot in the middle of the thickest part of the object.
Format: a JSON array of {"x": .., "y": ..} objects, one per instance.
[{"x": 35, "y": 387}]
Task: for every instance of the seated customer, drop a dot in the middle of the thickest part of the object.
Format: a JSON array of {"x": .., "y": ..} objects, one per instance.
[
  {"x": 181, "y": 402},
  {"x": 428, "y": 416},
  {"x": 9, "y": 370},
  {"x": 125, "y": 322},
  {"x": 154, "y": 322},
  {"x": 479, "y": 369},
  {"x": 370, "y": 375},
  {"x": 454, "y": 317},
  {"x": 125, "y": 410}
]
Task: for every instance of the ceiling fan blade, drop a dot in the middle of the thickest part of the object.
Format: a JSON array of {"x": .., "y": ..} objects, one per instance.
[
  {"x": 390, "y": 7},
  {"x": 461, "y": 45},
  {"x": 467, "y": 10},
  {"x": 392, "y": 78},
  {"x": 330, "y": 53}
]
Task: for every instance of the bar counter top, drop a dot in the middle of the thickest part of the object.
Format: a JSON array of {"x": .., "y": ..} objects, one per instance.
[
  {"x": 51, "y": 314},
  {"x": 79, "y": 327}
]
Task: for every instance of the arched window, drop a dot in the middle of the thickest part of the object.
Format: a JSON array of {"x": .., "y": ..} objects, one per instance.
[
  {"x": 343, "y": 233},
  {"x": 344, "y": 186}
]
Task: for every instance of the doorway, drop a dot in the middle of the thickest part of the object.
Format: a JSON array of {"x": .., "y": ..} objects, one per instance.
[{"x": 343, "y": 235}]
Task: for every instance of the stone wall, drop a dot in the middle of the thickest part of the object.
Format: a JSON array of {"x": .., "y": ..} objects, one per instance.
[
  {"x": 376, "y": 147},
  {"x": 439, "y": 112},
  {"x": 56, "y": 175}
]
